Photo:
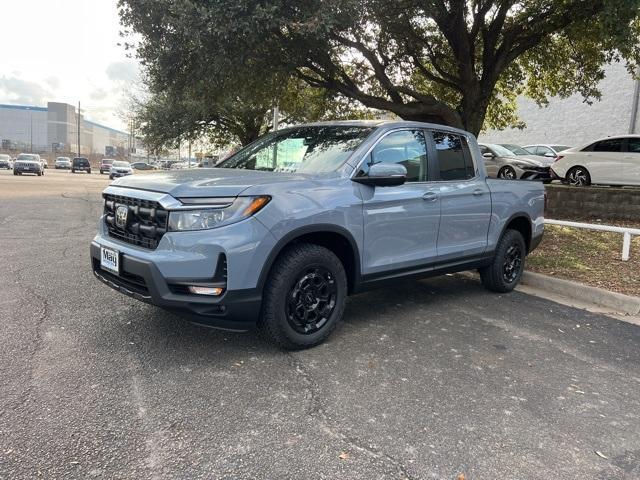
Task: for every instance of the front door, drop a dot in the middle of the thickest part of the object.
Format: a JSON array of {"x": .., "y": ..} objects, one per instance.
[
  {"x": 465, "y": 200},
  {"x": 400, "y": 222}
]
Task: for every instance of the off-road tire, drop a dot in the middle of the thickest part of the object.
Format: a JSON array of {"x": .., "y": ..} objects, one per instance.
[
  {"x": 285, "y": 273},
  {"x": 493, "y": 276}
]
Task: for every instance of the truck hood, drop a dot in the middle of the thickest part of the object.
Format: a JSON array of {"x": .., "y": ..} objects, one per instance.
[{"x": 204, "y": 182}]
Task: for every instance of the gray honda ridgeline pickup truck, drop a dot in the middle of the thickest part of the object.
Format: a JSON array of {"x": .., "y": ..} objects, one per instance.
[{"x": 286, "y": 228}]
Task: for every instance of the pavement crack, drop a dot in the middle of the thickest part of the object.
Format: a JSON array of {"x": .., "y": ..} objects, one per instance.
[{"x": 318, "y": 413}]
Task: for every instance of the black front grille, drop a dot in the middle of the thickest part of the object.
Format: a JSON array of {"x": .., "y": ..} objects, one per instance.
[{"x": 146, "y": 220}]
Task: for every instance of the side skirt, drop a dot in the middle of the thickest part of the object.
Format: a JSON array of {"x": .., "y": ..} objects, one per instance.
[{"x": 377, "y": 280}]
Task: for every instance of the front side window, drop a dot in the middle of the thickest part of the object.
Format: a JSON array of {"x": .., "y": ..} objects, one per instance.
[
  {"x": 406, "y": 147},
  {"x": 311, "y": 149},
  {"x": 609, "y": 145},
  {"x": 454, "y": 156}
]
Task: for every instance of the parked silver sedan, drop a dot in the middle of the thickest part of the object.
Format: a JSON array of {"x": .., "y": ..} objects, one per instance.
[{"x": 501, "y": 162}]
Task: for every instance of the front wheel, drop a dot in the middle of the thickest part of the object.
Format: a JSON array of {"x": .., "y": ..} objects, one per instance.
[
  {"x": 508, "y": 173},
  {"x": 579, "y": 177},
  {"x": 505, "y": 271},
  {"x": 304, "y": 297}
]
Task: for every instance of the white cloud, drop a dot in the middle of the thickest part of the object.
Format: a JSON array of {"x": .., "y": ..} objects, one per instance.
[
  {"x": 84, "y": 63},
  {"x": 18, "y": 90},
  {"x": 122, "y": 71}
]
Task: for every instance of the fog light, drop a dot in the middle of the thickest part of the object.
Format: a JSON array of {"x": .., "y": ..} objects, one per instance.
[{"x": 215, "y": 291}]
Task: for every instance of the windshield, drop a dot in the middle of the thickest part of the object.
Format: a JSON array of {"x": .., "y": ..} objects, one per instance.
[
  {"x": 559, "y": 148},
  {"x": 4, "y": 157},
  {"x": 515, "y": 149},
  {"x": 500, "y": 150},
  {"x": 107, "y": 161},
  {"x": 27, "y": 156},
  {"x": 121, "y": 164},
  {"x": 63, "y": 159},
  {"x": 313, "y": 149}
]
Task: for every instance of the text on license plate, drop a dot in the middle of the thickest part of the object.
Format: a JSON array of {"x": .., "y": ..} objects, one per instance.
[{"x": 110, "y": 259}]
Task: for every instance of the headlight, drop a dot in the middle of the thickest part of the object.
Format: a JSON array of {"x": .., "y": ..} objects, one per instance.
[{"x": 206, "y": 218}]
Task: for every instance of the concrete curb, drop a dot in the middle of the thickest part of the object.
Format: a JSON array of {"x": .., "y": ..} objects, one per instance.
[{"x": 579, "y": 291}]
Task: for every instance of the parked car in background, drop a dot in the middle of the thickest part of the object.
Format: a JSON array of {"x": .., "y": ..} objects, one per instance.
[
  {"x": 28, "y": 163},
  {"x": 179, "y": 166},
  {"x": 105, "y": 165},
  {"x": 80, "y": 164},
  {"x": 501, "y": 162},
  {"x": 546, "y": 150},
  {"x": 608, "y": 161},
  {"x": 120, "y": 169},
  {"x": 143, "y": 166},
  {"x": 515, "y": 149},
  {"x": 279, "y": 241},
  {"x": 63, "y": 163},
  {"x": 6, "y": 162}
]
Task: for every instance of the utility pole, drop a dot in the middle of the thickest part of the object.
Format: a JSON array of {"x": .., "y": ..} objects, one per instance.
[
  {"x": 189, "y": 153},
  {"x": 78, "y": 128}
]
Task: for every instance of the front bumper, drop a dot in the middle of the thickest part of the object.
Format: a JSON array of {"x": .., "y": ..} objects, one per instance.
[
  {"x": 27, "y": 170},
  {"x": 535, "y": 173},
  {"x": 236, "y": 310}
]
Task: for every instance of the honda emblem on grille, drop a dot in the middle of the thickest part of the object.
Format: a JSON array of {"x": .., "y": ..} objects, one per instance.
[{"x": 122, "y": 213}]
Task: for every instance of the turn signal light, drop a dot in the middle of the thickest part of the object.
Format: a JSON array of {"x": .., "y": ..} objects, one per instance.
[{"x": 214, "y": 291}]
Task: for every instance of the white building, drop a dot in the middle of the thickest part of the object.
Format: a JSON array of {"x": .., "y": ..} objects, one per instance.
[
  {"x": 55, "y": 128},
  {"x": 573, "y": 122}
]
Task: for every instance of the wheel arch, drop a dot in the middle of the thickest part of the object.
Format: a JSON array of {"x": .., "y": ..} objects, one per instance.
[
  {"x": 522, "y": 223},
  {"x": 337, "y": 239}
]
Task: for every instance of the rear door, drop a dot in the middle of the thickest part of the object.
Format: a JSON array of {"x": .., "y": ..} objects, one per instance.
[
  {"x": 631, "y": 161},
  {"x": 465, "y": 200},
  {"x": 400, "y": 222},
  {"x": 603, "y": 159}
]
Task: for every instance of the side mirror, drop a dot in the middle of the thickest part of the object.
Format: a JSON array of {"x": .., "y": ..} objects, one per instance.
[
  {"x": 549, "y": 155},
  {"x": 488, "y": 155},
  {"x": 384, "y": 175}
]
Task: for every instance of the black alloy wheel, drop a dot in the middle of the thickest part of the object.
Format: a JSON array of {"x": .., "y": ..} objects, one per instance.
[
  {"x": 512, "y": 263},
  {"x": 311, "y": 300}
]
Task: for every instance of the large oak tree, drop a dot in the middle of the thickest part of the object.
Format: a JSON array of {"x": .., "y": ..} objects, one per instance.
[{"x": 458, "y": 62}]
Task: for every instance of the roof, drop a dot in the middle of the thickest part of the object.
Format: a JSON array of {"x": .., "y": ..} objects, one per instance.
[
  {"x": 382, "y": 123},
  {"x": 23, "y": 107},
  {"x": 45, "y": 109}
]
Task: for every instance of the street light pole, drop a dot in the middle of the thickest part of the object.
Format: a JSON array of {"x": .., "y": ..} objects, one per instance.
[{"x": 78, "y": 129}]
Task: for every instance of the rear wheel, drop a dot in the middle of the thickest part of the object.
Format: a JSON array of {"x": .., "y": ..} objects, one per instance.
[
  {"x": 579, "y": 177},
  {"x": 508, "y": 173},
  {"x": 304, "y": 297},
  {"x": 505, "y": 271}
]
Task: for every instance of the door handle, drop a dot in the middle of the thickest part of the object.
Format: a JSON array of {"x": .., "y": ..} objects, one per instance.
[
  {"x": 430, "y": 197},
  {"x": 478, "y": 192}
]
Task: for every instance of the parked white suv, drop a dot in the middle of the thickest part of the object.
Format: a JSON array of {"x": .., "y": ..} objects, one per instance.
[{"x": 608, "y": 161}]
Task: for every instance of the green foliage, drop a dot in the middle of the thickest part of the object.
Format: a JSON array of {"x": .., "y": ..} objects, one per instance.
[{"x": 460, "y": 62}]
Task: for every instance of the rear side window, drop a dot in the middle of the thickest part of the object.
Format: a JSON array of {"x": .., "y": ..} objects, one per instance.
[
  {"x": 610, "y": 145},
  {"x": 406, "y": 147},
  {"x": 633, "y": 145},
  {"x": 454, "y": 157}
]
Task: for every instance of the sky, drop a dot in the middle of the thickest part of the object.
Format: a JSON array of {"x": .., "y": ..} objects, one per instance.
[{"x": 66, "y": 51}]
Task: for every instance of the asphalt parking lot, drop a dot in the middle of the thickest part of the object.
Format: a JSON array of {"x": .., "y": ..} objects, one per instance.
[{"x": 427, "y": 380}]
